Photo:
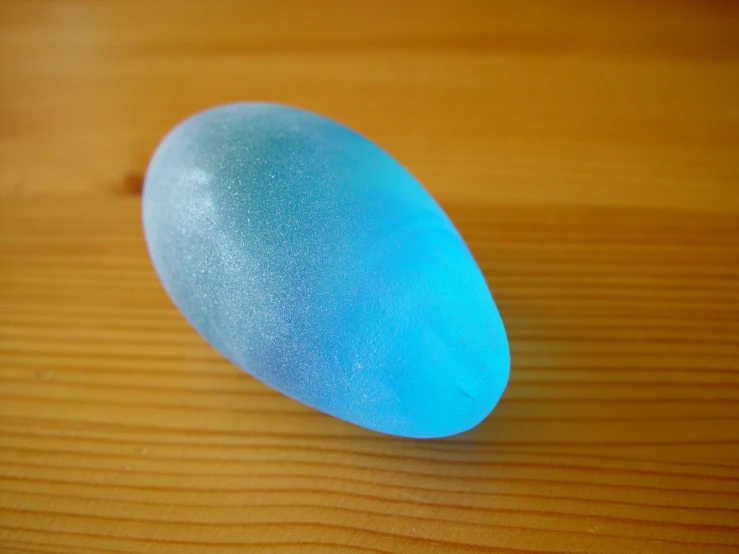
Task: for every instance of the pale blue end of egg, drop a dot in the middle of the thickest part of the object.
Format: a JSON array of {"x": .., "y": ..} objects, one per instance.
[{"x": 313, "y": 260}]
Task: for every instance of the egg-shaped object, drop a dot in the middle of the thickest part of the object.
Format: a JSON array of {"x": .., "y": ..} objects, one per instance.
[{"x": 313, "y": 260}]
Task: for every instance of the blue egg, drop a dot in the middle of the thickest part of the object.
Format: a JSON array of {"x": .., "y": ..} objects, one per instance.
[{"x": 310, "y": 258}]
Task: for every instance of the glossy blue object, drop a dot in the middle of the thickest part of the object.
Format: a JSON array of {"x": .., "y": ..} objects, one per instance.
[{"x": 313, "y": 260}]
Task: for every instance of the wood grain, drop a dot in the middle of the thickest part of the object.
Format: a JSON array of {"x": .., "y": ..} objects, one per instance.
[{"x": 589, "y": 153}]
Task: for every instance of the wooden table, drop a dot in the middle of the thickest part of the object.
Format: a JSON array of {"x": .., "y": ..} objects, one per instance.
[{"x": 589, "y": 153}]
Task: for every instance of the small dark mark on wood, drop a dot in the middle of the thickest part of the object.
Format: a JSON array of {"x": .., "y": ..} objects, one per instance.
[{"x": 132, "y": 184}]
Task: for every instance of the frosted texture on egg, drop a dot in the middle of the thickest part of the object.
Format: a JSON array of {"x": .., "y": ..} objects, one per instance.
[{"x": 313, "y": 260}]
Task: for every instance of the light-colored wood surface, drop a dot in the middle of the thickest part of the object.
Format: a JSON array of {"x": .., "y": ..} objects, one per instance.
[{"x": 588, "y": 151}]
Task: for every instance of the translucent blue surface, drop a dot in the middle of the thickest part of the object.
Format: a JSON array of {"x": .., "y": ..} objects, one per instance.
[{"x": 314, "y": 261}]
